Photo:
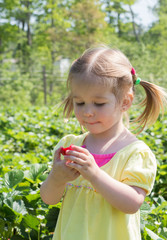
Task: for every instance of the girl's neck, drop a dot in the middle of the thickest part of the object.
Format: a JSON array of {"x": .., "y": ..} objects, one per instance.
[{"x": 109, "y": 142}]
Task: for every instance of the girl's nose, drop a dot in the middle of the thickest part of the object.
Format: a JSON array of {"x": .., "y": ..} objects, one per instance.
[{"x": 88, "y": 111}]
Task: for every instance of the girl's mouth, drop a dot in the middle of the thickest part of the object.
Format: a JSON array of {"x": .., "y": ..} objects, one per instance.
[{"x": 91, "y": 123}]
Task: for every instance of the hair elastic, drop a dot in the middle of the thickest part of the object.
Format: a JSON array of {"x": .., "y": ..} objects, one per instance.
[
  {"x": 138, "y": 80},
  {"x": 133, "y": 72}
]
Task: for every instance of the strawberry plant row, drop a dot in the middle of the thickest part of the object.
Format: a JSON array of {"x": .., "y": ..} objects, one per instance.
[{"x": 27, "y": 138}]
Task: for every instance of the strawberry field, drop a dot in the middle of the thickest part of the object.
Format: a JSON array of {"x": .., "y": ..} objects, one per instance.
[{"x": 27, "y": 138}]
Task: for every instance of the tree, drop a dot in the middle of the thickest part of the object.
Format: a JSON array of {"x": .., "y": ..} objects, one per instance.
[
  {"x": 87, "y": 25},
  {"x": 121, "y": 17},
  {"x": 35, "y": 35},
  {"x": 155, "y": 39}
]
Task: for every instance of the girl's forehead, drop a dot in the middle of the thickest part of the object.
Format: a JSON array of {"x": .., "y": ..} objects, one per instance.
[
  {"x": 88, "y": 80},
  {"x": 91, "y": 90}
]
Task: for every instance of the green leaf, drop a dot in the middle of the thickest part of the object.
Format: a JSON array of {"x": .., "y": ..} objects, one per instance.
[
  {"x": 52, "y": 217},
  {"x": 33, "y": 197},
  {"x": 144, "y": 211},
  {"x": 145, "y": 207},
  {"x": 16, "y": 206},
  {"x": 2, "y": 225},
  {"x": 17, "y": 237},
  {"x": 8, "y": 213},
  {"x": 19, "y": 207},
  {"x": 14, "y": 177},
  {"x": 29, "y": 221},
  {"x": 153, "y": 235},
  {"x": 31, "y": 200},
  {"x": 35, "y": 171}
]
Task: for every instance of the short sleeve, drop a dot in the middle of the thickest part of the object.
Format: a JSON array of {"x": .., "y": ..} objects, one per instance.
[{"x": 140, "y": 170}]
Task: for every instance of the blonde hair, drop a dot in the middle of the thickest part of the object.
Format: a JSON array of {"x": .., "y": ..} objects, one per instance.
[{"x": 111, "y": 68}]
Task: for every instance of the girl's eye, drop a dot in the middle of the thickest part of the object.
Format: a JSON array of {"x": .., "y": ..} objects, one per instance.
[
  {"x": 99, "y": 104},
  {"x": 79, "y": 103},
  {"x": 96, "y": 104}
]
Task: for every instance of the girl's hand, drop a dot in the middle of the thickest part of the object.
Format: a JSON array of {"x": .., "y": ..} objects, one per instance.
[
  {"x": 52, "y": 189},
  {"x": 61, "y": 171},
  {"x": 82, "y": 161}
]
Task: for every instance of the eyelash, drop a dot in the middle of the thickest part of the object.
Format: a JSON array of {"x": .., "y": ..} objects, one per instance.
[
  {"x": 99, "y": 104},
  {"x": 79, "y": 104},
  {"x": 96, "y": 104}
]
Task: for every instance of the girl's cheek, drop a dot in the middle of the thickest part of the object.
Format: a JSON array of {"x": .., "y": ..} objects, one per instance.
[{"x": 77, "y": 114}]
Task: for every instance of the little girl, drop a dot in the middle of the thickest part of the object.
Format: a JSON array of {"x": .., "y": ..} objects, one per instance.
[{"x": 107, "y": 172}]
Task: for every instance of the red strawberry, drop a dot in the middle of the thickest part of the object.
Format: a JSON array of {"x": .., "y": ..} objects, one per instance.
[{"x": 63, "y": 150}]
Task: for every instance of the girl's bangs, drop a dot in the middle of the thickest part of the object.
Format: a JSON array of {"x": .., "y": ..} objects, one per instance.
[{"x": 92, "y": 79}]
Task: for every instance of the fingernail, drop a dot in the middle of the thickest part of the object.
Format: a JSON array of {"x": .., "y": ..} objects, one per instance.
[{"x": 67, "y": 162}]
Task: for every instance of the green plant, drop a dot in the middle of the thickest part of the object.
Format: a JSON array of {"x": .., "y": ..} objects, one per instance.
[{"x": 27, "y": 138}]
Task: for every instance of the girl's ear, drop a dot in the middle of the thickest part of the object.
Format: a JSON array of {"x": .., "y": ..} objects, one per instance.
[{"x": 127, "y": 102}]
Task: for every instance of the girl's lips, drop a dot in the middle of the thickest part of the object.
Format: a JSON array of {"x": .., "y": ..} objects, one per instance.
[{"x": 91, "y": 123}]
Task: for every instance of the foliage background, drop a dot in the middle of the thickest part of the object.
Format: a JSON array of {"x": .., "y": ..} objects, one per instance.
[{"x": 35, "y": 37}]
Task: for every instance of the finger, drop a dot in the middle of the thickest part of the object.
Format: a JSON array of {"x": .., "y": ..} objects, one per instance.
[
  {"x": 57, "y": 154},
  {"x": 76, "y": 154},
  {"x": 80, "y": 158},
  {"x": 77, "y": 174},
  {"x": 79, "y": 149},
  {"x": 74, "y": 171},
  {"x": 83, "y": 154},
  {"x": 71, "y": 159},
  {"x": 68, "y": 161},
  {"x": 74, "y": 166}
]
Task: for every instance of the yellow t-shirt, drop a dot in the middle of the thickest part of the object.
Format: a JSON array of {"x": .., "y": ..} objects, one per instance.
[{"x": 86, "y": 215}]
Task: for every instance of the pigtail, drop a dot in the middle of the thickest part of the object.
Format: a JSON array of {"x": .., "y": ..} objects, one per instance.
[
  {"x": 153, "y": 104},
  {"x": 68, "y": 106},
  {"x": 68, "y": 102}
]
